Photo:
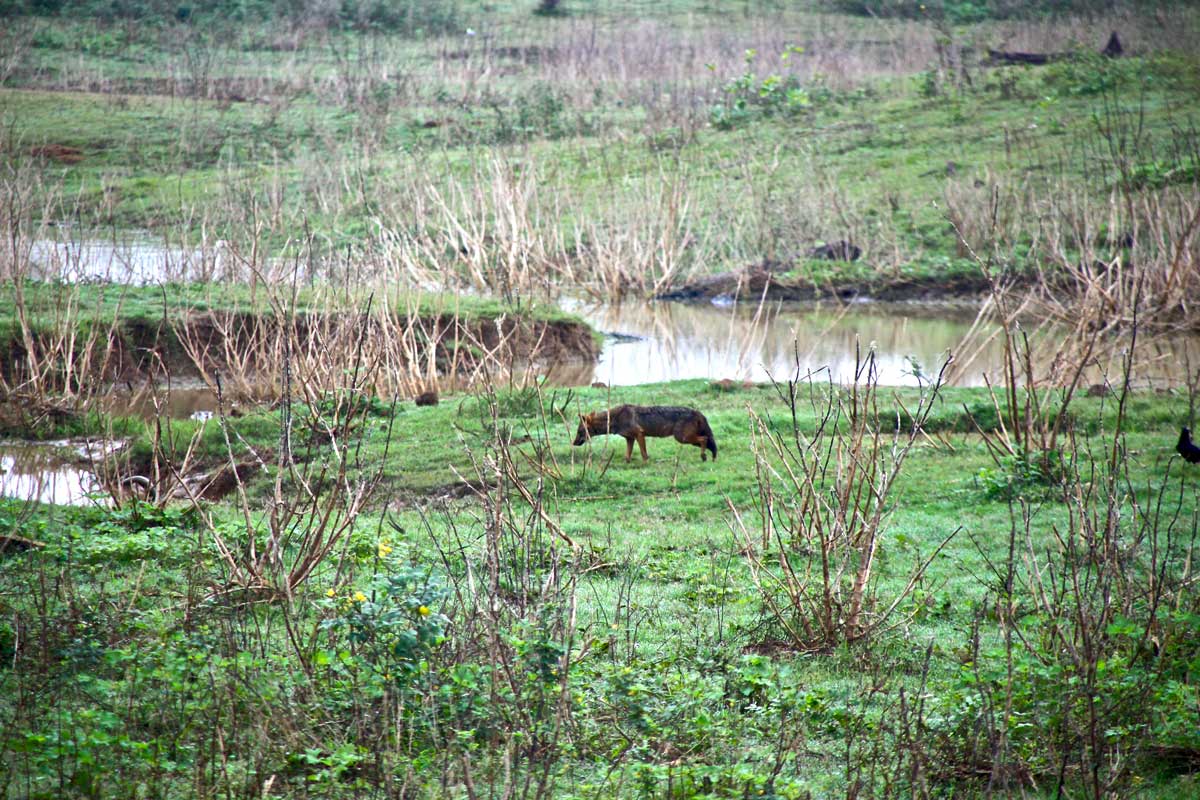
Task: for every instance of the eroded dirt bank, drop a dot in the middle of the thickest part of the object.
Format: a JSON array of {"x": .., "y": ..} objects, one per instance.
[{"x": 136, "y": 349}]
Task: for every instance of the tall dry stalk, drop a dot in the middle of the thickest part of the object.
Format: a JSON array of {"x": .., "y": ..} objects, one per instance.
[
  {"x": 316, "y": 499},
  {"x": 1093, "y": 613},
  {"x": 412, "y": 348},
  {"x": 59, "y": 347},
  {"x": 514, "y": 605},
  {"x": 1084, "y": 247}
]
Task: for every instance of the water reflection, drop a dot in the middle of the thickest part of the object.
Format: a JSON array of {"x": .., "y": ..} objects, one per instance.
[
  {"x": 44, "y": 473},
  {"x": 126, "y": 262},
  {"x": 667, "y": 341},
  {"x": 191, "y": 400}
]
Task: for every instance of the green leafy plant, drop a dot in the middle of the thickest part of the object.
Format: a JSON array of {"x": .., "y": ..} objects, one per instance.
[
  {"x": 1022, "y": 475},
  {"x": 394, "y": 628},
  {"x": 748, "y": 97}
]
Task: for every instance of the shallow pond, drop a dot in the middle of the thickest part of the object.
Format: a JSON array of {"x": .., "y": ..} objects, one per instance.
[
  {"x": 650, "y": 342},
  {"x": 644, "y": 342},
  {"x": 135, "y": 262}
]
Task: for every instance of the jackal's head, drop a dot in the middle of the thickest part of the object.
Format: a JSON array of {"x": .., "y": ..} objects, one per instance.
[{"x": 584, "y": 432}]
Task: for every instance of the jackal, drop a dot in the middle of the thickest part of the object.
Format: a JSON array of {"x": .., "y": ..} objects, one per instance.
[{"x": 635, "y": 423}]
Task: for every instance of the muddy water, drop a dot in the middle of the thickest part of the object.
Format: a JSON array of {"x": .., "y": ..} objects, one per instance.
[
  {"x": 186, "y": 400},
  {"x": 46, "y": 473},
  {"x": 667, "y": 341},
  {"x": 650, "y": 342}
]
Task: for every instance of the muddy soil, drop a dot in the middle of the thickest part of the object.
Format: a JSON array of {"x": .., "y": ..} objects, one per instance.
[{"x": 756, "y": 282}]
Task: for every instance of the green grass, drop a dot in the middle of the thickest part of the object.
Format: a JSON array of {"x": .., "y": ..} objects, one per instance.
[
  {"x": 668, "y": 619},
  {"x": 878, "y": 152},
  {"x": 127, "y": 670},
  {"x": 131, "y": 307}
]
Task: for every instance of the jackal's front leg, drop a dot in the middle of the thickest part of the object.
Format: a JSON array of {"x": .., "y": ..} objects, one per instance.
[{"x": 629, "y": 449}]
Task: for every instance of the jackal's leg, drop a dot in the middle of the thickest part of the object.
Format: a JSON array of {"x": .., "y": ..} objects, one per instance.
[
  {"x": 702, "y": 443},
  {"x": 641, "y": 437},
  {"x": 629, "y": 449}
]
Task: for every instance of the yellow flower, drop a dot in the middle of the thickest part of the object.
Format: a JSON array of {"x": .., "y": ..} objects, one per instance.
[
  {"x": 330, "y": 593},
  {"x": 359, "y": 597},
  {"x": 423, "y": 611},
  {"x": 383, "y": 549}
]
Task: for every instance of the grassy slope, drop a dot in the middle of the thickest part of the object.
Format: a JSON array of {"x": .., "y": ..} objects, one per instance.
[
  {"x": 668, "y": 574},
  {"x": 878, "y": 153}
]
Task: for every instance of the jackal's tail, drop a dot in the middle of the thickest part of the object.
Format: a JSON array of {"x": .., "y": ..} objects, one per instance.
[{"x": 712, "y": 441}]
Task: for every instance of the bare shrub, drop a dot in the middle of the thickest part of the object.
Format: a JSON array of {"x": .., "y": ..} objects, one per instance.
[
  {"x": 1087, "y": 247},
  {"x": 60, "y": 348},
  {"x": 315, "y": 501},
  {"x": 822, "y": 508},
  {"x": 513, "y": 604}
]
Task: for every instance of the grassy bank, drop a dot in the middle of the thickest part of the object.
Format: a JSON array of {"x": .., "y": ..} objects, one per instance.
[
  {"x": 614, "y": 151},
  {"x": 454, "y": 643},
  {"x": 327, "y": 590},
  {"x": 65, "y": 345}
]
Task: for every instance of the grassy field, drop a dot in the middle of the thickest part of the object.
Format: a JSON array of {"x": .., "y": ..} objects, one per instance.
[
  {"x": 622, "y": 149},
  {"x": 328, "y": 591},
  {"x": 453, "y": 643}
]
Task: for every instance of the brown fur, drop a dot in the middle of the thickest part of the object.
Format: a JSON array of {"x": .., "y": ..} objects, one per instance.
[{"x": 635, "y": 423}]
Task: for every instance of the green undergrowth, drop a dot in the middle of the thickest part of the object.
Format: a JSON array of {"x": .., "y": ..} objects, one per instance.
[
  {"x": 672, "y": 648},
  {"x": 428, "y": 448},
  {"x": 505, "y": 614}
]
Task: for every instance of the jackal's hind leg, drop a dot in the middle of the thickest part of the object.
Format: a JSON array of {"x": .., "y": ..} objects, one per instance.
[{"x": 641, "y": 439}]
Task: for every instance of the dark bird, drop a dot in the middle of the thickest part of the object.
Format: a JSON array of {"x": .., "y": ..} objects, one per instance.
[{"x": 1189, "y": 451}]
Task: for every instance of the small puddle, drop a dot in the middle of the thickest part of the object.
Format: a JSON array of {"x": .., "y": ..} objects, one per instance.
[
  {"x": 46, "y": 473},
  {"x": 187, "y": 401}
]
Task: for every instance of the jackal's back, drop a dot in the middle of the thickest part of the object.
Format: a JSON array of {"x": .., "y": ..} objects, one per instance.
[{"x": 663, "y": 420}]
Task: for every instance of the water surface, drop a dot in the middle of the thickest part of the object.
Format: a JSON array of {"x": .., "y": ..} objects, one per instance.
[
  {"x": 652, "y": 342},
  {"x": 47, "y": 473},
  {"x": 133, "y": 262},
  {"x": 669, "y": 341}
]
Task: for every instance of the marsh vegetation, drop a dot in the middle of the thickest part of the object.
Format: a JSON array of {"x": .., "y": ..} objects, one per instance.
[{"x": 237, "y": 559}]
